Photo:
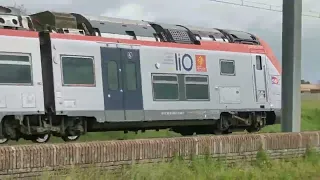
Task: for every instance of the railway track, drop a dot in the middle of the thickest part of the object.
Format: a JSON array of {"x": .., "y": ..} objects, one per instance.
[{"x": 33, "y": 160}]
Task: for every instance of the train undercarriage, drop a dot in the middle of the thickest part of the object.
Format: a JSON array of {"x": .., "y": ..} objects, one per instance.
[{"x": 39, "y": 129}]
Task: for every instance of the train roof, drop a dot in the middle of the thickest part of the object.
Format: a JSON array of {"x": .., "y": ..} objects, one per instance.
[
  {"x": 11, "y": 11},
  {"x": 240, "y": 36},
  {"x": 207, "y": 34},
  {"x": 75, "y": 23},
  {"x": 121, "y": 26},
  {"x": 13, "y": 18}
]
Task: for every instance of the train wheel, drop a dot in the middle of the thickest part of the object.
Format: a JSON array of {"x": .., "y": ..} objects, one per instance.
[
  {"x": 257, "y": 124},
  {"x": 4, "y": 140},
  {"x": 70, "y": 138},
  {"x": 42, "y": 139}
]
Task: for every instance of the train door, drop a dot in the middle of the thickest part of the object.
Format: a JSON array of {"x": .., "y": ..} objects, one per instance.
[
  {"x": 133, "y": 104},
  {"x": 259, "y": 78},
  {"x": 112, "y": 84},
  {"x": 122, "y": 84}
]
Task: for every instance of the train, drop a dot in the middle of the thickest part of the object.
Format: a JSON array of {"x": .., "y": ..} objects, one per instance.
[{"x": 67, "y": 74}]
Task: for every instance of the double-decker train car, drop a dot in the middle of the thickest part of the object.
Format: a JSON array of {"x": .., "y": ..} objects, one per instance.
[{"x": 65, "y": 74}]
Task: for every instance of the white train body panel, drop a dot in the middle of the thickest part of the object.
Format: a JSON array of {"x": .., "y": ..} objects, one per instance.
[
  {"x": 227, "y": 92},
  {"x": 22, "y": 91},
  {"x": 274, "y": 85},
  {"x": 77, "y": 100}
]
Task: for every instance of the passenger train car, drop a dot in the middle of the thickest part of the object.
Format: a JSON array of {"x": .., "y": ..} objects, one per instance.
[{"x": 65, "y": 74}]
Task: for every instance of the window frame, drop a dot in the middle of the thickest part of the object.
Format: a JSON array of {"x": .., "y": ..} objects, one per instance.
[
  {"x": 164, "y": 82},
  {"x": 117, "y": 72},
  {"x": 259, "y": 58},
  {"x": 29, "y": 55},
  {"x": 78, "y": 85},
  {"x": 135, "y": 74},
  {"x": 234, "y": 67},
  {"x": 195, "y": 82}
]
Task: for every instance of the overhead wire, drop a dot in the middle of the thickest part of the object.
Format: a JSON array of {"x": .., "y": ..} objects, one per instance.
[{"x": 265, "y": 6}]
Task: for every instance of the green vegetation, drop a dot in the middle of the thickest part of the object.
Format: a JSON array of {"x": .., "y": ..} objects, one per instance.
[
  {"x": 310, "y": 118},
  {"x": 263, "y": 168},
  {"x": 310, "y": 122}
]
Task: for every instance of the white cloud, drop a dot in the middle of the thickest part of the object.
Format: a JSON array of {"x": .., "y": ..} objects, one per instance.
[
  {"x": 35, "y": 2},
  {"x": 131, "y": 11}
]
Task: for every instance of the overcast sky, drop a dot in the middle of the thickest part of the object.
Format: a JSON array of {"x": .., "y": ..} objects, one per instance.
[{"x": 263, "y": 23}]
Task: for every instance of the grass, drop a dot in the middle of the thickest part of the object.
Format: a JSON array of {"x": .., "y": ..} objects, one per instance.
[
  {"x": 310, "y": 118},
  {"x": 263, "y": 168},
  {"x": 309, "y": 122}
]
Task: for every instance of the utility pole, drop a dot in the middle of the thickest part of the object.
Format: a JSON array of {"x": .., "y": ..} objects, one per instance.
[{"x": 291, "y": 65}]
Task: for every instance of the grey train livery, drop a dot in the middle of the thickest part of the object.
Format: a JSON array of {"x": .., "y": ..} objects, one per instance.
[{"x": 66, "y": 74}]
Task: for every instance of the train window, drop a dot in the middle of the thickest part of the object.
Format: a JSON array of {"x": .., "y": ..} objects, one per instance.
[
  {"x": 165, "y": 87},
  {"x": 227, "y": 67},
  {"x": 258, "y": 63},
  {"x": 113, "y": 80},
  {"x": 77, "y": 70},
  {"x": 15, "y": 69},
  {"x": 197, "y": 87},
  {"x": 131, "y": 76}
]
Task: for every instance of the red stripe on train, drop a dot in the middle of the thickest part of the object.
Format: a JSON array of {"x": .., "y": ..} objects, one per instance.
[{"x": 216, "y": 46}]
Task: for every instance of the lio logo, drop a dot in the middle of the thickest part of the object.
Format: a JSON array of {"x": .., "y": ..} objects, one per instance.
[{"x": 185, "y": 61}]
